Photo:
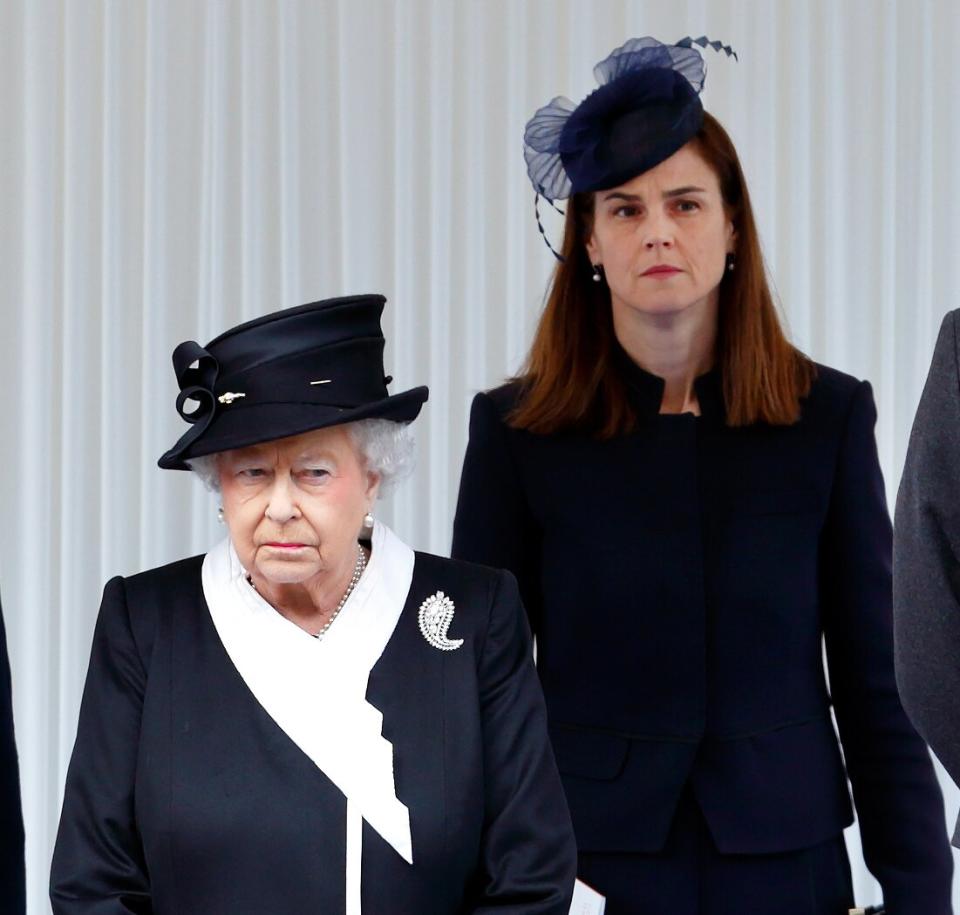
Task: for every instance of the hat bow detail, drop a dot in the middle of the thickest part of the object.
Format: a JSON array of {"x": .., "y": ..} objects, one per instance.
[{"x": 196, "y": 370}]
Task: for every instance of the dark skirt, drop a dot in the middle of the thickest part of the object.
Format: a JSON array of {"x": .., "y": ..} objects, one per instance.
[{"x": 691, "y": 877}]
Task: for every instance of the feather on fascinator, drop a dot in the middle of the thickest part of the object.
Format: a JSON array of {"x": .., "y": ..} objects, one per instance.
[{"x": 646, "y": 106}]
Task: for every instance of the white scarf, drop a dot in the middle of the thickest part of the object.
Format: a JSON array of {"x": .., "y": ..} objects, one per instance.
[{"x": 315, "y": 690}]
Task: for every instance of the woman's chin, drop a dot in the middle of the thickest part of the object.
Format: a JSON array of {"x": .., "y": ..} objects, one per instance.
[
  {"x": 655, "y": 309},
  {"x": 289, "y": 571}
]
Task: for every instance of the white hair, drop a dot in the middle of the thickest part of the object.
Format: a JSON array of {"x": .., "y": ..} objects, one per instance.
[
  {"x": 386, "y": 448},
  {"x": 205, "y": 467}
]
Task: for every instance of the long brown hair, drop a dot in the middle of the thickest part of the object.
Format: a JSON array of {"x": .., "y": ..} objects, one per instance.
[{"x": 567, "y": 381}]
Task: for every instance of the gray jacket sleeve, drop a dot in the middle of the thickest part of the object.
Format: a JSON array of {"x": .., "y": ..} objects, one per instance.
[{"x": 926, "y": 561}]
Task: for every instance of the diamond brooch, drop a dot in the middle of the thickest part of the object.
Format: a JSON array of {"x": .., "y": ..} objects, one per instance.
[{"x": 436, "y": 614}]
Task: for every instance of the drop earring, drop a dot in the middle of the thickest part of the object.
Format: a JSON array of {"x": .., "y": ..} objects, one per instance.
[
  {"x": 368, "y": 520},
  {"x": 597, "y": 273},
  {"x": 731, "y": 262},
  {"x": 220, "y": 515}
]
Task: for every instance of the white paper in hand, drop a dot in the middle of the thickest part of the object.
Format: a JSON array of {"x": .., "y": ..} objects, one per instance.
[{"x": 586, "y": 901}]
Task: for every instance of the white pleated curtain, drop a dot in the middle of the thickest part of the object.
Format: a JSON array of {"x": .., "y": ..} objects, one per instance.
[{"x": 170, "y": 168}]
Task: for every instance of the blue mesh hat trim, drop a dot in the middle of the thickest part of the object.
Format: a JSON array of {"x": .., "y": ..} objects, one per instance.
[
  {"x": 703, "y": 41},
  {"x": 648, "y": 53},
  {"x": 541, "y": 149},
  {"x": 645, "y": 108},
  {"x": 542, "y": 230}
]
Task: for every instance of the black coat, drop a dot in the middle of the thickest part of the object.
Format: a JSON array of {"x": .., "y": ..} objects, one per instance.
[
  {"x": 185, "y": 798},
  {"x": 11, "y": 820},
  {"x": 680, "y": 580},
  {"x": 926, "y": 547}
]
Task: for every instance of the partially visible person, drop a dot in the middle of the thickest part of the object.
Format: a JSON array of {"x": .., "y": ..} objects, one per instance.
[
  {"x": 12, "y": 875},
  {"x": 926, "y": 560}
]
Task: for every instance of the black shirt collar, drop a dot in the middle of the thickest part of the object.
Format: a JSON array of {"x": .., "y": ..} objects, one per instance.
[{"x": 646, "y": 389}]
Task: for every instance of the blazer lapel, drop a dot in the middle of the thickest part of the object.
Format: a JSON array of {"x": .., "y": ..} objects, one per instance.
[{"x": 316, "y": 690}]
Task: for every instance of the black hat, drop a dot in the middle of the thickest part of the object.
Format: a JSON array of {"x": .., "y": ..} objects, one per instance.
[
  {"x": 646, "y": 107},
  {"x": 288, "y": 372}
]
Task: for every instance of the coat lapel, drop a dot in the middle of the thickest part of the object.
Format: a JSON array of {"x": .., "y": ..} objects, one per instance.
[{"x": 315, "y": 690}]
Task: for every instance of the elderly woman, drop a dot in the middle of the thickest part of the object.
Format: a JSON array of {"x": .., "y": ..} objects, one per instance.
[
  {"x": 690, "y": 506},
  {"x": 311, "y": 717}
]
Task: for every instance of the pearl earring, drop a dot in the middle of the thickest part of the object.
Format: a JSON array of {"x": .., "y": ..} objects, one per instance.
[
  {"x": 220, "y": 514},
  {"x": 597, "y": 273},
  {"x": 368, "y": 520},
  {"x": 731, "y": 262}
]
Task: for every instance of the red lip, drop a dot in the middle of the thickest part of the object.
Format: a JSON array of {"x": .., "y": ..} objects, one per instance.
[{"x": 660, "y": 269}]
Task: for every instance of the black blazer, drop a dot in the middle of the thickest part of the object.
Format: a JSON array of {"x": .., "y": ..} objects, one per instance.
[
  {"x": 679, "y": 581},
  {"x": 185, "y": 798},
  {"x": 12, "y": 890},
  {"x": 926, "y": 547}
]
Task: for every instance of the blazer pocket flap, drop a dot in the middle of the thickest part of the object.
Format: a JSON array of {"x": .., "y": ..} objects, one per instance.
[{"x": 589, "y": 754}]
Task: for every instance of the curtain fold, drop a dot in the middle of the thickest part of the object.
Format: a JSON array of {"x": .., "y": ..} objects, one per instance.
[{"x": 171, "y": 167}]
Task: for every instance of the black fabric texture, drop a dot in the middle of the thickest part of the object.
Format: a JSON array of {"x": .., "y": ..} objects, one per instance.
[
  {"x": 681, "y": 581},
  {"x": 185, "y": 798},
  {"x": 12, "y": 873},
  {"x": 283, "y": 374}
]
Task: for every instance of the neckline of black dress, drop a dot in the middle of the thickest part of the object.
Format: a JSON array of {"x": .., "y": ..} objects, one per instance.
[{"x": 646, "y": 389}]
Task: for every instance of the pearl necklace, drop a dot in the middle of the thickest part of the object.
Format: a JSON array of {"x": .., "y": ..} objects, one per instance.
[{"x": 358, "y": 568}]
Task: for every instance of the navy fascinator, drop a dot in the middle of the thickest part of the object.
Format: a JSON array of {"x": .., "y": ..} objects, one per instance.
[{"x": 647, "y": 106}]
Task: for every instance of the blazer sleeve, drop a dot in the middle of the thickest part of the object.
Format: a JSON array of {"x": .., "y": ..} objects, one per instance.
[
  {"x": 898, "y": 801},
  {"x": 98, "y": 861},
  {"x": 493, "y": 524},
  {"x": 528, "y": 855},
  {"x": 12, "y": 876},
  {"x": 926, "y": 560}
]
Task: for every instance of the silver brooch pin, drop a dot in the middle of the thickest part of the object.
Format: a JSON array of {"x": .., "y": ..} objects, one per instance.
[
  {"x": 436, "y": 614},
  {"x": 230, "y": 397}
]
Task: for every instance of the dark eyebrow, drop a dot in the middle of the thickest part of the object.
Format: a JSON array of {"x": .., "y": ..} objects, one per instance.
[
  {"x": 676, "y": 192},
  {"x": 680, "y": 191}
]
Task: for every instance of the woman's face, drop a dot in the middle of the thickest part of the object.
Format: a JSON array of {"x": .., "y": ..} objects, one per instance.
[
  {"x": 663, "y": 237},
  {"x": 295, "y": 506}
]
